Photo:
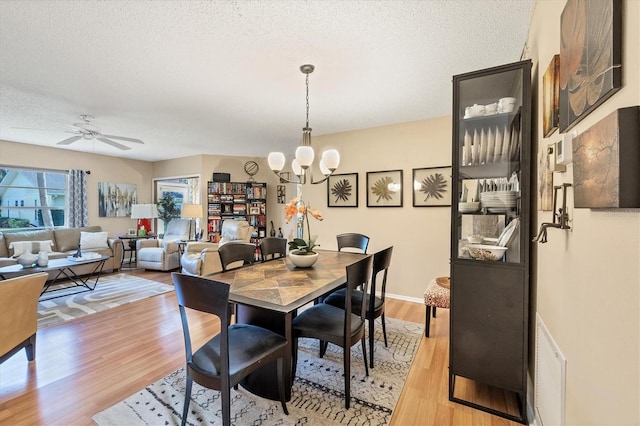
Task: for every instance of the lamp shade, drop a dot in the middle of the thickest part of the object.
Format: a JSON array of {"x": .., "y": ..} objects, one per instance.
[
  {"x": 191, "y": 210},
  {"x": 144, "y": 211}
]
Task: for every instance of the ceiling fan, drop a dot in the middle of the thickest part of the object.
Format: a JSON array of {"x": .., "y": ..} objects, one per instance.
[{"x": 86, "y": 130}]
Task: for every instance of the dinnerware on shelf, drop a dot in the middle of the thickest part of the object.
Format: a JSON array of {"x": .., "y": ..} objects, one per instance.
[
  {"x": 486, "y": 252},
  {"x": 505, "y": 237},
  {"x": 507, "y": 104},
  {"x": 475, "y": 239},
  {"x": 468, "y": 207}
]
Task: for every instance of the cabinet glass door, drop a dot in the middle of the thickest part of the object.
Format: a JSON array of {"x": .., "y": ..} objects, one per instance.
[{"x": 489, "y": 159}]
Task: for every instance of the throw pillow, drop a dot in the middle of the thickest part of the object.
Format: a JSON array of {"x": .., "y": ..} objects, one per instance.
[
  {"x": 20, "y": 247},
  {"x": 93, "y": 240},
  {"x": 39, "y": 246}
]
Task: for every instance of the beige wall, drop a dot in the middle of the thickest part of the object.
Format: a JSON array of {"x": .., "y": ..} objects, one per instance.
[
  {"x": 103, "y": 169},
  {"x": 588, "y": 279},
  {"x": 420, "y": 236}
]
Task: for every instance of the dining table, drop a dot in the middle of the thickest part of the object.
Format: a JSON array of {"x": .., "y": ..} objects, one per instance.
[{"x": 269, "y": 294}]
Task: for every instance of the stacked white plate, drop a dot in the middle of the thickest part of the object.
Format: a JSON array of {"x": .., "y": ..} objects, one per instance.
[{"x": 499, "y": 201}]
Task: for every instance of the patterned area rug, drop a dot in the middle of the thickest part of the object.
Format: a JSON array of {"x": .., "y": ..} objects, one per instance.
[
  {"x": 111, "y": 291},
  {"x": 317, "y": 395}
]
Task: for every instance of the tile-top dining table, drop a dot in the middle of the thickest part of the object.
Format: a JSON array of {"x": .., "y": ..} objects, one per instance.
[{"x": 270, "y": 293}]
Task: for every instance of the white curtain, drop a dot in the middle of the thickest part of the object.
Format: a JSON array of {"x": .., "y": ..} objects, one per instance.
[{"x": 77, "y": 191}]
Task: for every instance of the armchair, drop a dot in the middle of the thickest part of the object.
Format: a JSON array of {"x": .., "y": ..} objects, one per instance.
[
  {"x": 163, "y": 254},
  {"x": 202, "y": 259},
  {"x": 19, "y": 314}
]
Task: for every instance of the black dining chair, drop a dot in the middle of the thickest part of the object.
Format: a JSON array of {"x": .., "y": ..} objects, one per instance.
[
  {"x": 273, "y": 246},
  {"x": 374, "y": 304},
  {"x": 229, "y": 356},
  {"x": 353, "y": 240},
  {"x": 339, "y": 326},
  {"x": 233, "y": 252}
]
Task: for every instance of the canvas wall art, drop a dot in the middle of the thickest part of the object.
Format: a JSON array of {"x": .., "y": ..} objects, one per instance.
[
  {"x": 545, "y": 181},
  {"x": 606, "y": 162},
  {"x": 550, "y": 97},
  {"x": 115, "y": 199},
  {"x": 590, "y": 57}
]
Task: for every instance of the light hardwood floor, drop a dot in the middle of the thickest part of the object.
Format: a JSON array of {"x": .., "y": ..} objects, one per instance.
[{"x": 86, "y": 365}]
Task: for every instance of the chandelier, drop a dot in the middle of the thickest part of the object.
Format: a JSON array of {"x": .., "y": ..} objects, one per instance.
[{"x": 301, "y": 165}]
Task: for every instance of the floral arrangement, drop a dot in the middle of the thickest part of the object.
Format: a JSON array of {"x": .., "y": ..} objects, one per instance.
[{"x": 300, "y": 245}]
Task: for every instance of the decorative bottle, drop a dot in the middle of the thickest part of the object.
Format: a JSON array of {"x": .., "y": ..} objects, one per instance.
[
  {"x": 280, "y": 235},
  {"x": 78, "y": 253},
  {"x": 273, "y": 230}
]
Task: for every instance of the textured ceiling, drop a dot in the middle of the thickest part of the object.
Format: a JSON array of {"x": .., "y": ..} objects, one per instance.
[{"x": 222, "y": 77}]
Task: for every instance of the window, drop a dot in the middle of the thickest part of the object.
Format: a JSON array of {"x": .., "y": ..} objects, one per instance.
[{"x": 32, "y": 198}]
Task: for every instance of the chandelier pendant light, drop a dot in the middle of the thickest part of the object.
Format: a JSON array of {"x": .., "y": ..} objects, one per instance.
[{"x": 301, "y": 165}]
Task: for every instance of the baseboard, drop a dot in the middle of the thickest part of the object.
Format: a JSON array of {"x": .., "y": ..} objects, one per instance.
[{"x": 405, "y": 298}]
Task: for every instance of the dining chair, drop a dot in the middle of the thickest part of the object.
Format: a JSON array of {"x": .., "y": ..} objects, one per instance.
[
  {"x": 234, "y": 252},
  {"x": 353, "y": 240},
  {"x": 339, "y": 326},
  {"x": 229, "y": 356},
  {"x": 374, "y": 304},
  {"x": 274, "y": 247}
]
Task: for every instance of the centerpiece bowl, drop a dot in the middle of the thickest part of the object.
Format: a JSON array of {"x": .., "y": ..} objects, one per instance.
[{"x": 303, "y": 260}]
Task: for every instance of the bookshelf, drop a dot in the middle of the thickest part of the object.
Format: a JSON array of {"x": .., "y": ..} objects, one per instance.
[{"x": 236, "y": 200}]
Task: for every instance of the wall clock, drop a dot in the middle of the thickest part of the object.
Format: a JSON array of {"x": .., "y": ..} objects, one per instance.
[{"x": 251, "y": 168}]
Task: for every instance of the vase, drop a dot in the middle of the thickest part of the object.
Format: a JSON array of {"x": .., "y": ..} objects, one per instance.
[
  {"x": 43, "y": 258},
  {"x": 27, "y": 259},
  {"x": 303, "y": 260}
]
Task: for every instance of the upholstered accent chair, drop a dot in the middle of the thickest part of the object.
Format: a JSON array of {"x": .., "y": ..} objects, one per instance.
[
  {"x": 163, "y": 254},
  {"x": 19, "y": 314},
  {"x": 202, "y": 258}
]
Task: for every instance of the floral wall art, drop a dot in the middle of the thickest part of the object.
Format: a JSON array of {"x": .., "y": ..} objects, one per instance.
[
  {"x": 342, "y": 190},
  {"x": 590, "y": 57},
  {"x": 432, "y": 187},
  {"x": 384, "y": 189}
]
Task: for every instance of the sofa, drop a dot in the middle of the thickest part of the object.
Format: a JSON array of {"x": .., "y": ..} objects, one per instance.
[
  {"x": 60, "y": 243},
  {"x": 163, "y": 254},
  {"x": 202, "y": 258}
]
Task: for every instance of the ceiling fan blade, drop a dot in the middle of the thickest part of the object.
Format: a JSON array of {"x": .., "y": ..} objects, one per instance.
[
  {"x": 112, "y": 143},
  {"x": 69, "y": 141},
  {"x": 122, "y": 138}
]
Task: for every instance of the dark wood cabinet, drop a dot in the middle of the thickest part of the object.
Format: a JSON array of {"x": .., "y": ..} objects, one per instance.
[{"x": 490, "y": 234}]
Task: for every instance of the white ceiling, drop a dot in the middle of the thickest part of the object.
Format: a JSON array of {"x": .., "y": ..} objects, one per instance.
[{"x": 222, "y": 77}]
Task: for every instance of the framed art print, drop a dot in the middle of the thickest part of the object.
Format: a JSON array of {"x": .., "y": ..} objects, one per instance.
[
  {"x": 384, "y": 189},
  {"x": 432, "y": 187},
  {"x": 590, "y": 57},
  {"x": 342, "y": 190},
  {"x": 550, "y": 89}
]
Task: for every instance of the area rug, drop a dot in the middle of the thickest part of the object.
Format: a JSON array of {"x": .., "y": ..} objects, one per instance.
[
  {"x": 111, "y": 291},
  {"x": 317, "y": 394}
]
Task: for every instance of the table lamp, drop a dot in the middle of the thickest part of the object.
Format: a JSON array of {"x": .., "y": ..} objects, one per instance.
[
  {"x": 144, "y": 213},
  {"x": 191, "y": 211}
]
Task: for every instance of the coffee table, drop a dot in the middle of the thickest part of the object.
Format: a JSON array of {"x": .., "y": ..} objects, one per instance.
[{"x": 62, "y": 269}]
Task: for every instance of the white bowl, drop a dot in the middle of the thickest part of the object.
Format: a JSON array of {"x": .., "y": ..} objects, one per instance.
[
  {"x": 486, "y": 252},
  {"x": 474, "y": 239}
]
